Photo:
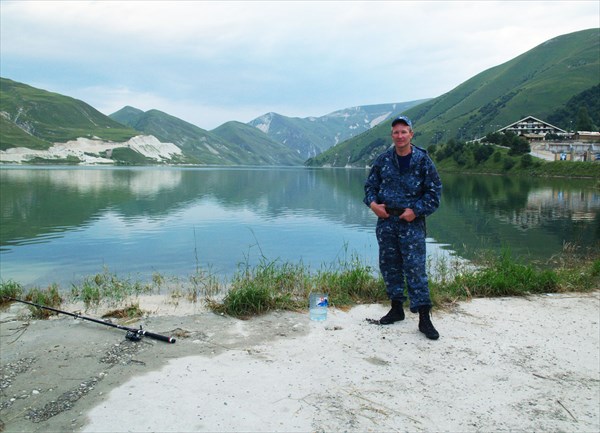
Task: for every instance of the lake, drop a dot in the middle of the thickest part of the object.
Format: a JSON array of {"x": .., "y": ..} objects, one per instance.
[{"x": 61, "y": 224}]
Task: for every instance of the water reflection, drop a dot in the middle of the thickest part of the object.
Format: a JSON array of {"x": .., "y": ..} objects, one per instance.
[
  {"x": 532, "y": 217},
  {"x": 72, "y": 221}
]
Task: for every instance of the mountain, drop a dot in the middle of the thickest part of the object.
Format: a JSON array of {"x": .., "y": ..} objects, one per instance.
[
  {"x": 40, "y": 126},
  {"x": 36, "y": 118},
  {"x": 255, "y": 147},
  {"x": 233, "y": 143},
  {"x": 553, "y": 80},
  {"x": 312, "y": 135},
  {"x": 198, "y": 144},
  {"x": 536, "y": 83}
]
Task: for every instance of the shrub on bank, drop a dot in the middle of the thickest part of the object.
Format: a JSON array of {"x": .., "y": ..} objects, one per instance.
[
  {"x": 9, "y": 289},
  {"x": 48, "y": 297},
  {"x": 503, "y": 277}
]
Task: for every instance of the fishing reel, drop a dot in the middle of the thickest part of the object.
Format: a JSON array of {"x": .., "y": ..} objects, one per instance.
[{"x": 133, "y": 335}]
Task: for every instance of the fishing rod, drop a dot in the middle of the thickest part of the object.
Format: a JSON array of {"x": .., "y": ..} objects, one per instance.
[{"x": 133, "y": 334}]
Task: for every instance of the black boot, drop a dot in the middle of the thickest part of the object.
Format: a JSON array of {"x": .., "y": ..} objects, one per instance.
[
  {"x": 396, "y": 314},
  {"x": 425, "y": 325}
]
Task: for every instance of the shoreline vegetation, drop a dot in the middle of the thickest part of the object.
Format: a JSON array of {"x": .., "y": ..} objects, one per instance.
[
  {"x": 274, "y": 285},
  {"x": 476, "y": 158}
]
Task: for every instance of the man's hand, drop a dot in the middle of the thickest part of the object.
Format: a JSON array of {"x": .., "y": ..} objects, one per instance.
[
  {"x": 408, "y": 215},
  {"x": 379, "y": 210}
]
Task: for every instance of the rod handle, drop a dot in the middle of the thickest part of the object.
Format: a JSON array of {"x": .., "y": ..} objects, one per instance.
[{"x": 159, "y": 337}]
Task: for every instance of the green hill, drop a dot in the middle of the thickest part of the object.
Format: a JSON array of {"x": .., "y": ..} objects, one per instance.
[
  {"x": 536, "y": 83},
  {"x": 231, "y": 144},
  {"x": 128, "y": 116},
  {"x": 255, "y": 147},
  {"x": 36, "y": 118},
  {"x": 198, "y": 144}
]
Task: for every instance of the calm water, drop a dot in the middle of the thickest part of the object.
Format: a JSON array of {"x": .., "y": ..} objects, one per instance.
[{"x": 61, "y": 224}]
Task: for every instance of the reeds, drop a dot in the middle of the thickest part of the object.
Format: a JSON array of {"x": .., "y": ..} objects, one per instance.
[{"x": 274, "y": 285}]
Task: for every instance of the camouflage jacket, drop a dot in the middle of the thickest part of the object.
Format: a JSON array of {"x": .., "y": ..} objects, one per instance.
[{"x": 418, "y": 188}]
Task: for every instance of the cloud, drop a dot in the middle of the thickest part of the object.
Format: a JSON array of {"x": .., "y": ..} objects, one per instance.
[{"x": 227, "y": 60}]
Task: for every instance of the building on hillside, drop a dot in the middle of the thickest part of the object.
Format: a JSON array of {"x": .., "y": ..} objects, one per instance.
[
  {"x": 566, "y": 151},
  {"x": 534, "y": 129},
  {"x": 588, "y": 136},
  {"x": 579, "y": 146}
]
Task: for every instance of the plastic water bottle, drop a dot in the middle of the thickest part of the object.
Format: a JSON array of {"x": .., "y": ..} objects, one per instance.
[{"x": 318, "y": 306}]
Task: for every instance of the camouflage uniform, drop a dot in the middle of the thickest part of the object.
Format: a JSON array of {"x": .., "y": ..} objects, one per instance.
[{"x": 402, "y": 253}]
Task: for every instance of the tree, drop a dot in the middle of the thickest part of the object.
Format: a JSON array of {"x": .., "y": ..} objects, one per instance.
[
  {"x": 497, "y": 156},
  {"x": 526, "y": 161},
  {"x": 482, "y": 153},
  {"x": 584, "y": 122},
  {"x": 519, "y": 146},
  {"x": 566, "y": 116},
  {"x": 494, "y": 137},
  {"x": 449, "y": 149},
  {"x": 460, "y": 158},
  {"x": 508, "y": 163},
  {"x": 431, "y": 150},
  {"x": 507, "y": 138}
]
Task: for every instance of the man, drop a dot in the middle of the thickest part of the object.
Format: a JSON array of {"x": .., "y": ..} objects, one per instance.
[{"x": 403, "y": 187}]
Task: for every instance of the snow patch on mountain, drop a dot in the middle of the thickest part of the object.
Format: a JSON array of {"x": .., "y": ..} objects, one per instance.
[
  {"x": 264, "y": 122},
  {"x": 380, "y": 119}
]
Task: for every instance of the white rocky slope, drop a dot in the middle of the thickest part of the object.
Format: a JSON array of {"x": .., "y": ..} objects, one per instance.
[{"x": 88, "y": 150}]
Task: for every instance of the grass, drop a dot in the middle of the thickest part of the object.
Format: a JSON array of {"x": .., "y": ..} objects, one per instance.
[
  {"x": 268, "y": 286},
  {"x": 501, "y": 276},
  {"x": 48, "y": 297},
  {"x": 350, "y": 283},
  {"x": 275, "y": 285},
  {"x": 9, "y": 289},
  {"x": 107, "y": 285}
]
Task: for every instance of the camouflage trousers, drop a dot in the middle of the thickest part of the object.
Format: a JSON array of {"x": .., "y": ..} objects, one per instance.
[{"x": 402, "y": 256}]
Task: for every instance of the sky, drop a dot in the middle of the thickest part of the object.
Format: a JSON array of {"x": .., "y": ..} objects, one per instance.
[{"x": 209, "y": 62}]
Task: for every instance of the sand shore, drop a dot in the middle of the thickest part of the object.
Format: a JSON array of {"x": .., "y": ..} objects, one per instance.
[{"x": 507, "y": 364}]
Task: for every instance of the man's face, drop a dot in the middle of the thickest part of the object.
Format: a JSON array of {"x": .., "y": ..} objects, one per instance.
[{"x": 401, "y": 134}]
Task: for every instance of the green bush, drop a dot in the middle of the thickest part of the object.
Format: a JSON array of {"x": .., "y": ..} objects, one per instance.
[
  {"x": 271, "y": 286},
  {"x": 596, "y": 268},
  {"x": 508, "y": 163},
  {"x": 503, "y": 277},
  {"x": 9, "y": 289},
  {"x": 526, "y": 161},
  {"x": 354, "y": 283},
  {"x": 49, "y": 297},
  {"x": 266, "y": 287}
]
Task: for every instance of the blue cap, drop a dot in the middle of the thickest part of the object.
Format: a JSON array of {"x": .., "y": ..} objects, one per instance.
[{"x": 402, "y": 119}]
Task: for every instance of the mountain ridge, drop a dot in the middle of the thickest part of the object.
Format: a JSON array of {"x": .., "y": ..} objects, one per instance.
[
  {"x": 312, "y": 135},
  {"x": 534, "y": 83},
  {"x": 34, "y": 128},
  {"x": 538, "y": 82}
]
